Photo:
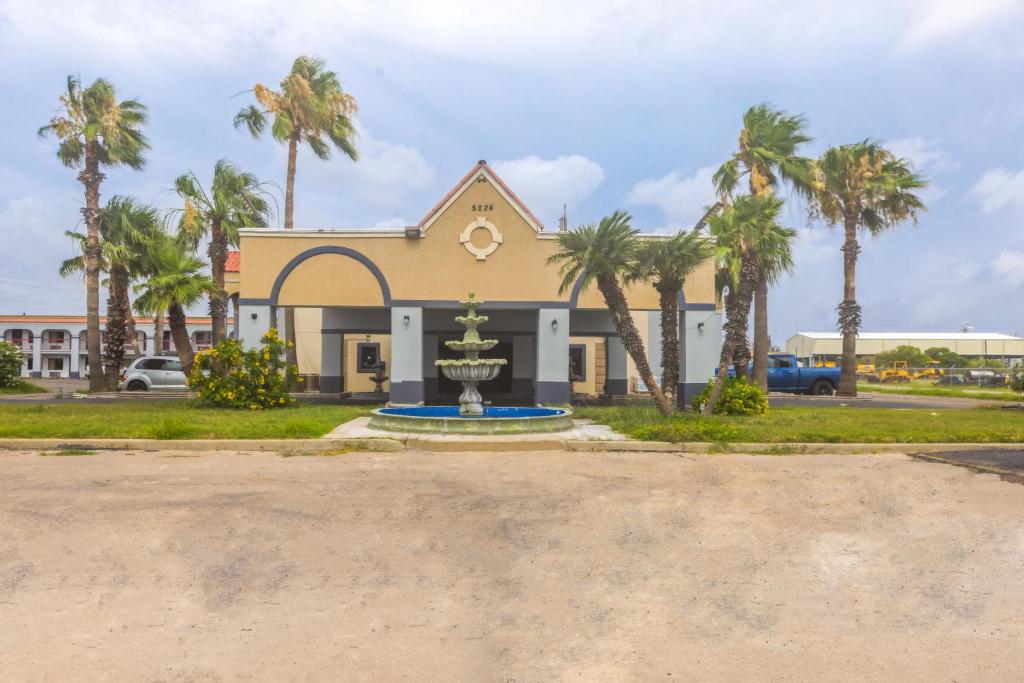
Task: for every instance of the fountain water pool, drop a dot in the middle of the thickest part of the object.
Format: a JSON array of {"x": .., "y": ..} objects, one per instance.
[{"x": 471, "y": 416}]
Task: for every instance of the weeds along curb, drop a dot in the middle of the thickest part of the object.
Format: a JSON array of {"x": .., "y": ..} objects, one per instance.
[
  {"x": 276, "y": 445},
  {"x": 413, "y": 444}
]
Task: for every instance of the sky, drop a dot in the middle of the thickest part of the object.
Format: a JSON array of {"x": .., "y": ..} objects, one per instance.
[{"x": 599, "y": 105}]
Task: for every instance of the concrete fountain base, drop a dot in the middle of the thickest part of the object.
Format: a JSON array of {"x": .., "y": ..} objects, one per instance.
[{"x": 447, "y": 420}]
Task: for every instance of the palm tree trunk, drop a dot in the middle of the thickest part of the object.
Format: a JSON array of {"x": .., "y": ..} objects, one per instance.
[
  {"x": 761, "y": 332},
  {"x": 158, "y": 333},
  {"x": 724, "y": 359},
  {"x": 115, "y": 333},
  {"x": 737, "y": 335},
  {"x": 668, "y": 298},
  {"x": 734, "y": 346},
  {"x": 91, "y": 178},
  {"x": 615, "y": 300},
  {"x": 289, "y": 223},
  {"x": 129, "y": 321},
  {"x": 179, "y": 333},
  {"x": 218, "y": 253},
  {"x": 849, "y": 311}
]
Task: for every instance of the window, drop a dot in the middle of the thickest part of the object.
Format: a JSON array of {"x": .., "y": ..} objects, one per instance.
[
  {"x": 780, "y": 362},
  {"x": 151, "y": 364},
  {"x": 578, "y": 362},
  {"x": 173, "y": 366},
  {"x": 367, "y": 356}
]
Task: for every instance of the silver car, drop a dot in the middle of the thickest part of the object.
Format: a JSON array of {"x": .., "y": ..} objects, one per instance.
[{"x": 153, "y": 373}]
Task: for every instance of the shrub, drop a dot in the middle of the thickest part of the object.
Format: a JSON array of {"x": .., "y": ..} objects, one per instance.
[
  {"x": 10, "y": 364},
  {"x": 738, "y": 398},
  {"x": 231, "y": 377},
  {"x": 1017, "y": 378}
]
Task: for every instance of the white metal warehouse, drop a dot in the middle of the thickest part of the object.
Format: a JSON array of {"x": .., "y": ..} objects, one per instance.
[{"x": 811, "y": 347}]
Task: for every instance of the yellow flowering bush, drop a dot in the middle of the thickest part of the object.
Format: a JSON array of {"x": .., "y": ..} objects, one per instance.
[{"x": 228, "y": 376}]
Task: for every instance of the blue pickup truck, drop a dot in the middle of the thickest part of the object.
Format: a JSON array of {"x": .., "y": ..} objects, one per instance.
[{"x": 786, "y": 375}]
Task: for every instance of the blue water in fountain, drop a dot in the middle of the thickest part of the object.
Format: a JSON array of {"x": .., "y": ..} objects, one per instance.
[{"x": 453, "y": 412}]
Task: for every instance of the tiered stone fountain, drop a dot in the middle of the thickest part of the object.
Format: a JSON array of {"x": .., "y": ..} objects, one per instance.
[
  {"x": 472, "y": 369},
  {"x": 471, "y": 416}
]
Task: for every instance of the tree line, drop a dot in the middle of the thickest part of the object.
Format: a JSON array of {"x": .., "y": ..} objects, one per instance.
[
  {"x": 152, "y": 254},
  {"x": 861, "y": 187}
]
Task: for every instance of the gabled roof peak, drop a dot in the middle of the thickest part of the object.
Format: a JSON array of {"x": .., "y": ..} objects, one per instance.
[{"x": 481, "y": 167}]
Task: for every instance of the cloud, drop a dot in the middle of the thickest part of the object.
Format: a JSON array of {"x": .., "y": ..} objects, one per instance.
[
  {"x": 546, "y": 184},
  {"x": 387, "y": 180},
  {"x": 1009, "y": 265},
  {"x": 999, "y": 188},
  {"x": 923, "y": 153},
  {"x": 681, "y": 199},
  {"x": 391, "y": 224},
  {"x": 942, "y": 20}
]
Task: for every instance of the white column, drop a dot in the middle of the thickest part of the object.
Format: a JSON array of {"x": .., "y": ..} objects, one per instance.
[
  {"x": 37, "y": 354},
  {"x": 254, "y": 321},
  {"x": 406, "y": 369},
  {"x": 700, "y": 345},
  {"x": 618, "y": 383},
  {"x": 552, "y": 376},
  {"x": 654, "y": 343},
  {"x": 75, "y": 357}
]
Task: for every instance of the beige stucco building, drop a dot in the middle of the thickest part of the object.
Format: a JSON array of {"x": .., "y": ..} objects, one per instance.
[{"x": 364, "y": 296}]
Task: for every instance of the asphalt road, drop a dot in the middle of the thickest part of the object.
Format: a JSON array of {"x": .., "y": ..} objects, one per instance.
[{"x": 1007, "y": 464}]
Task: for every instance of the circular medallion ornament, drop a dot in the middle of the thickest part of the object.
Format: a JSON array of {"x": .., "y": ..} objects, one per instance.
[{"x": 481, "y": 253}]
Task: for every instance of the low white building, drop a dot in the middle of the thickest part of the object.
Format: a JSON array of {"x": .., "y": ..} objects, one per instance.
[
  {"x": 812, "y": 347},
  {"x": 55, "y": 345}
]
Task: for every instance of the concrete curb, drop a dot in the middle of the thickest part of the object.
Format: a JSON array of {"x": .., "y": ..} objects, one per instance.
[
  {"x": 205, "y": 444},
  {"x": 783, "y": 448}
]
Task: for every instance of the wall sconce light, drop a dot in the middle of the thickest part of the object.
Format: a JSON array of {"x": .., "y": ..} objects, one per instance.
[
  {"x": 405, "y": 320},
  {"x": 554, "y": 324},
  {"x": 253, "y": 316},
  {"x": 700, "y": 327}
]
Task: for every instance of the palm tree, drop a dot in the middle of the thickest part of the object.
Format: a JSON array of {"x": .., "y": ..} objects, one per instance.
[
  {"x": 310, "y": 108},
  {"x": 766, "y": 155},
  {"x": 178, "y": 283},
  {"x": 774, "y": 258},
  {"x": 739, "y": 231},
  {"x": 667, "y": 263},
  {"x": 235, "y": 200},
  {"x": 127, "y": 229},
  {"x": 607, "y": 254},
  {"x": 864, "y": 186},
  {"x": 96, "y": 130}
]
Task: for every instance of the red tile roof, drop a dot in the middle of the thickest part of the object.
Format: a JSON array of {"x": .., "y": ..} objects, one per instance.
[
  {"x": 480, "y": 164},
  {"x": 234, "y": 262}
]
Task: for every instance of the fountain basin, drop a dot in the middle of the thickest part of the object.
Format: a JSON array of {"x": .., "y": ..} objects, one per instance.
[{"x": 494, "y": 420}]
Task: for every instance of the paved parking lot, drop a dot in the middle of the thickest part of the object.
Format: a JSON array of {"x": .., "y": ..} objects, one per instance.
[{"x": 498, "y": 567}]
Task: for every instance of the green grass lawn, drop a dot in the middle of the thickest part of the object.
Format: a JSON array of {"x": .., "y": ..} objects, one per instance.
[
  {"x": 918, "y": 388},
  {"x": 169, "y": 420},
  {"x": 820, "y": 425},
  {"x": 21, "y": 387}
]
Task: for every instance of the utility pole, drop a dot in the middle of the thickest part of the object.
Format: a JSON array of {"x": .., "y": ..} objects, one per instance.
[{"x": 563, "y": 222}]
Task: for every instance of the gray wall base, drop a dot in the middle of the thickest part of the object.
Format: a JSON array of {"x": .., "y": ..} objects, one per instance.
[
  {"x": 686, "y": 392},
  {"x": 74, "y": 374},
  {"x": 617, "y": 387},
  {"x": 522, "y": 388},
  {"x": 330, "y": 385},
  {"x": 36, "y": 374},
  {"x": 408, "y": 391},
  {"x": 552, "y": 392}
]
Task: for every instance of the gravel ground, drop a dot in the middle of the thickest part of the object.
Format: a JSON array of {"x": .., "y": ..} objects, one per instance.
[{"x": 507, "y": 567}]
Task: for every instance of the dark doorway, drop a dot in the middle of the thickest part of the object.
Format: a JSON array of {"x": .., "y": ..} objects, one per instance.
[{"x": 497, "y": 390}]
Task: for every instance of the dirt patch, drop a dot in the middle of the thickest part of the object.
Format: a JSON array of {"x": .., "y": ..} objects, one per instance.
[{"x": 511, "y": 566}]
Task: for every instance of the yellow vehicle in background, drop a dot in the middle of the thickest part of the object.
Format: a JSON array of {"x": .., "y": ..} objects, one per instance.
[
  {"x": 826, "y": 364},
  {"x": 896, "y": 371},
  {"x": 931, "y": 370},
  {"x": 864, "y": 370}
]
